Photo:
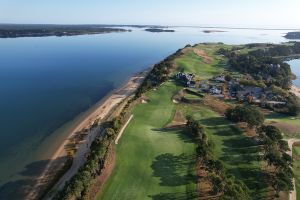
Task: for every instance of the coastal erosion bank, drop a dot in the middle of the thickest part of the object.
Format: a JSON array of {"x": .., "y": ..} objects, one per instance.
[{"x": 99, "y": 112}]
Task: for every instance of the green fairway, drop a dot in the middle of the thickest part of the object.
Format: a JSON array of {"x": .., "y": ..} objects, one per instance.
[
  {"x": 192, "y": 63},
  {"x": 153, "y": 163},
  {"x": 296, "y": 156}
]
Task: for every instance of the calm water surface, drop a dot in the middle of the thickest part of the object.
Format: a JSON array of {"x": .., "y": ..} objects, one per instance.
[
  {"x": 295, "y": 66},
  {"x": 46, "y": 82}
]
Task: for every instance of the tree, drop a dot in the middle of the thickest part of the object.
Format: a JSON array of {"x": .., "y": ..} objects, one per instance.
[
  {"x": 248, "y": 114},
  {"x": 275, "y": 155},
  {"x": 195, "y": 128}
]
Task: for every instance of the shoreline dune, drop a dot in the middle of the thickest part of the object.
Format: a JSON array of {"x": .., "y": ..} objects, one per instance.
[{"x": 98, "y": 112}]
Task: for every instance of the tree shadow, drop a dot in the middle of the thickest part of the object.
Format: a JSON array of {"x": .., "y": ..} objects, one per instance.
[
  {"x": 226, "y": 130},
  {"x": 175, "y": 196},
  {"x": 241, "y": 153},
  {"x": 180, "y": 132},
  {"x": 19, "y": 188},
  {"x": 253, "y": 178},
  {"x": 172, "y": 170},
  {"x": 213, "y": 121}
]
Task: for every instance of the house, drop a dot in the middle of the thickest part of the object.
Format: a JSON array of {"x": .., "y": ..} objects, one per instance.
[
  {"x": 191, "y": 84},
  {"x": 274, "y": 66},
  {"x": 186, "y": 79},
  {"x": 215, "y": 90},
  {"x": 244, "y": 92},
  {"x": 204, "y": 86},
  {"x": 220, "y": 78}
]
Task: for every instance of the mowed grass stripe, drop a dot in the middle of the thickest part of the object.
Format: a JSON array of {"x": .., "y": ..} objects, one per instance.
[{"x": 152, "y": 163}]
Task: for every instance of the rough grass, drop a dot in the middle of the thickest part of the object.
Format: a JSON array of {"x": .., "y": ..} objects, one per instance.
[
  {"x": 290, "y": 126},
  {"x": 153, "y": 163}
]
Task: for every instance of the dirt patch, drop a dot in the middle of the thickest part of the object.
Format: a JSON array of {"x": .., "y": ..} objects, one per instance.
[
  {"x": 177, "y": 121},
  {"x": 249, "y": 132},
  {"x": 186, "y": 50},
  {"x": 97, "y": 186},
  {"x": 296, "y": 144},
  {"x": 215, "y": 104},
  {"x": 289, "y": 129},
  {"x": 204, "y": 56}
]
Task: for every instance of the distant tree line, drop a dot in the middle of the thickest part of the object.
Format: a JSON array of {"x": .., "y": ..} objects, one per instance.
[
  {"x": 44, "y": 31},
  {"x": 293, "y": 35}
]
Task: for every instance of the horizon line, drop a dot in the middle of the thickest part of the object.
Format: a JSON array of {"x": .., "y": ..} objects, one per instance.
[{"x": 152, "y": 25}]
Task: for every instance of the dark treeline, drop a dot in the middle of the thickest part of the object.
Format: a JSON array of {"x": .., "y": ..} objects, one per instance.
[
  {"x": 262, "y": 68},
  {"x": 159, "y": 30},
  {"x": 14, "y": 31},
  {"x": 278, "y": 50},
  {"x": 293, "y": 35}
]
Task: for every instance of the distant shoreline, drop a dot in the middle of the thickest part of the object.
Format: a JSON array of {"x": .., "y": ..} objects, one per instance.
[
  {"x": 292, "y": 36},
  {"x": 159, "y": 30},
  {"x": 154, "y": 26},
  {"x": 213, "y": 31},
  {"x": 17, "y": 31}
]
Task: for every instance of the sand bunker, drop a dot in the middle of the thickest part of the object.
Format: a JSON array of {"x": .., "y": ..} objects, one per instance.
[{"x": 203, "y": 55}]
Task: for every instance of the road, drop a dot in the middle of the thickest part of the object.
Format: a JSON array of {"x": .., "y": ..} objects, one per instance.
[{"x": 293, "y": 194}]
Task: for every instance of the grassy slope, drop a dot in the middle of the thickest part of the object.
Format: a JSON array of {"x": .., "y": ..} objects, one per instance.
[
  {"x": 191, "y": 63},
  {"x": 296, "y": 155},
  {"x": 236, "y": 151},
  {"x": 152, "y": 163}
]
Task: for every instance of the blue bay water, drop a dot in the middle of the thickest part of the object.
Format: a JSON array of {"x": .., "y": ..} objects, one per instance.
[
  {"x": 295, "y": 66},
  {"x": 46, "y": 82}
]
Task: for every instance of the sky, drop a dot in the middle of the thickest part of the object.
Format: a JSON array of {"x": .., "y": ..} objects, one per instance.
[{"x": 237, "y": 13}]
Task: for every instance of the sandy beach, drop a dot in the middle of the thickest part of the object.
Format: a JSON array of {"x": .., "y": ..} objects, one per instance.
[
  {"x": 101, "y": 110},
  {"x": 295, "y": 90}
]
